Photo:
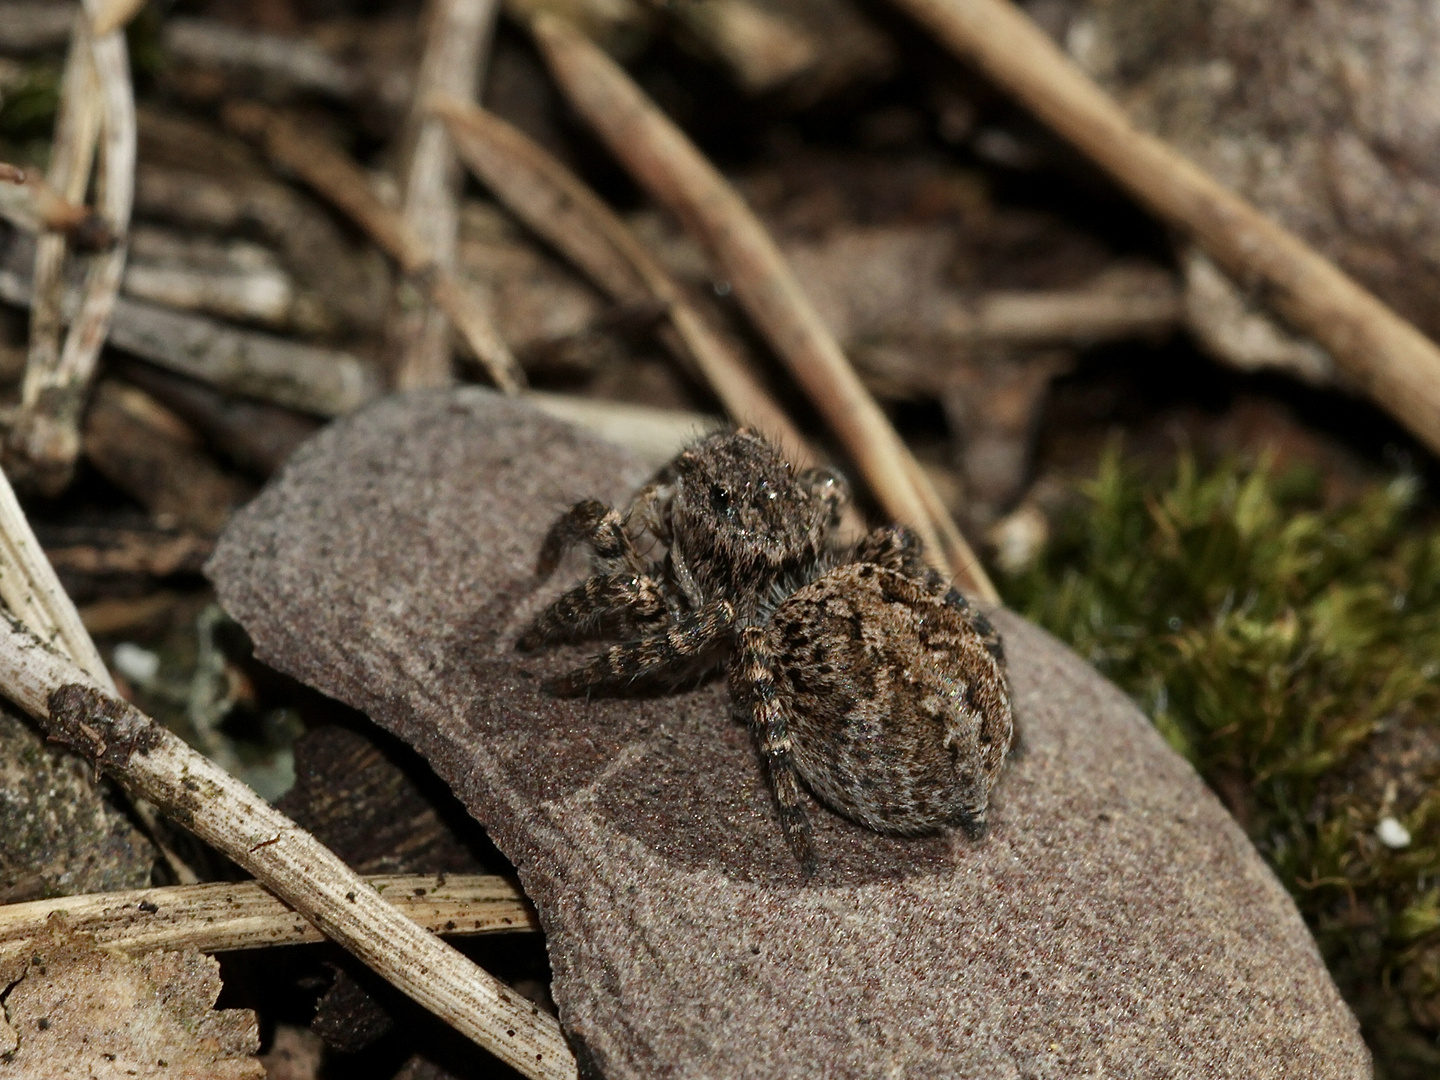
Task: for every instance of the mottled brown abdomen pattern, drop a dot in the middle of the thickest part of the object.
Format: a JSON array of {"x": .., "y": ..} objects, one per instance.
[{"x": 899, "y": 715}]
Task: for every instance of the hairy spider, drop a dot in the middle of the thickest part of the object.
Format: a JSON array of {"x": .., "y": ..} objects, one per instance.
[{"x": 860, "y": 672}]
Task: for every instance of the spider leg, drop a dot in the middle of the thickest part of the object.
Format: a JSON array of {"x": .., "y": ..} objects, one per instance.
[
  {"x": 830, "y": 488},
  {"x": 677, "y": 652},
  {"x": 582, "y": 613},
  {"x": 896, "y": 547},
  {"x": 602, "y": 527},
  {"x": 752, "y": 682}
]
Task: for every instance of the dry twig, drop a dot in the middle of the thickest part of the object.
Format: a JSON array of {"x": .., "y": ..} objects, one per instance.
[
  {"x": 222, "y": 916},
  {"x": 72, "y": 153},
  {"x": 45, "y": 440},
  {"x": 343, "y": 183},
  {"x": 1395, "y": 364},
  {"x": 325, "y": 382},
  {"x": 669, "y": 166},
  {"x": 294, "y": 63},
  {"x": 291, "y": 863},
  {"x": 558, "y": 206},
  {"x": 33, "y": 593},
  {"x": 455, "y": 48}
]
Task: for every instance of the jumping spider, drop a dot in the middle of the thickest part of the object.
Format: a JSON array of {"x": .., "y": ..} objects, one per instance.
[{"x": 860, "y": 672}]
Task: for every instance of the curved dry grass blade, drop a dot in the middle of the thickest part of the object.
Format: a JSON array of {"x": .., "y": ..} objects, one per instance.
[
  {"x": 331, "y": 173},
  {"x": 557, "y": 205},
  {"x": 156, "y": 764},
  {"x": 677, "y": 175},
  {"x": 221, "y": 916},
  {"x": 1396, "y": 364}
]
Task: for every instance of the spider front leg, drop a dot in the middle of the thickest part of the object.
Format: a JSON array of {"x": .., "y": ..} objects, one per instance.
[
  {"x": 588, "y": 609},
  {"x": 602, "y": 527},
  {"x": 753, "y": 689},
  {"x": 677, "y": 653}
]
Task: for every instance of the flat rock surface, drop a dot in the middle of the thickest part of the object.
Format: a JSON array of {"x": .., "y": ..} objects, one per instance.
[{"x": 1115, "y": 922}]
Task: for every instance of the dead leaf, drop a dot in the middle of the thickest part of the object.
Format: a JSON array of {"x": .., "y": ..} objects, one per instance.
[{"x": 77, "y": 1011}]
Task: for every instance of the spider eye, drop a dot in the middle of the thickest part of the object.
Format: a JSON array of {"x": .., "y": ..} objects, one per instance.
[{"x": 720, "y": 499}]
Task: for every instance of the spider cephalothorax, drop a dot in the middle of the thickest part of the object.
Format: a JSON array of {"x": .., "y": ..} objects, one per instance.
[{"x": 860, "y": 671}]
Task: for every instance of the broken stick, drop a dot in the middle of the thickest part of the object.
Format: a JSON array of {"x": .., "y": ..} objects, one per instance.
[
  {"x": 334, "y": 175},
  {"x": 562, "y": 209},
  {"x": 221, "y": 916},
  {"x": 455, "y": 47}
]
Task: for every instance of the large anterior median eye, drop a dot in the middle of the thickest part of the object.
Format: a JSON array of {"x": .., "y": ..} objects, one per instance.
[{"x": 720, "y": 500}]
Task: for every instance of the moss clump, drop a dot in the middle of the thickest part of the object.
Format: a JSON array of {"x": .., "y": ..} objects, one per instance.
[{"x": 1292, "y": 653}]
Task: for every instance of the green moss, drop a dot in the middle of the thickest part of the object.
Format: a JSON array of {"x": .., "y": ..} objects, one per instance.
[{"x": 1292, "y": 652}]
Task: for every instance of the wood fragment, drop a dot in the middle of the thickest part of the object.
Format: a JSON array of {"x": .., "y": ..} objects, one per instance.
[
  {"x": 351, "y": 288},
  {"x": 279, "y": 61},
  {"x": 224, "y": 916},
  {"x": 36, "y": 25},
  {"x": 343, "y": 183},
  {"x": 128, "y": 615},
  {"x": 255, "y": 435},
  {"x": 562, "y": 209},
  {"x": 133, "y": 441},
  {"x": 669, "y": 166},
  {"x": 219, "y": 809},
  {"x": 325, "y": 382},
  {"x": 108, "y": 551},
  {"x": 1392, "y": 361},
  {"x": 456, "y": 43}
]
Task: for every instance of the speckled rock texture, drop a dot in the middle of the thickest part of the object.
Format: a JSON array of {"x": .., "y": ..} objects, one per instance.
[{"x": 1114, "y": 923}]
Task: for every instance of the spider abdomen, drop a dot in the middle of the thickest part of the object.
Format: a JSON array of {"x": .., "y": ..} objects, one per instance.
[{"x": 899, "y": 716}]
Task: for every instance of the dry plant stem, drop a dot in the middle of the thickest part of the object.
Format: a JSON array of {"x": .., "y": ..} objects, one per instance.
[
  {"x": 558, "y": 205},
  {"x": 222, "y": 916},
  {"x": 343, "y": 183},
  {"x": 676, "y": 174},
  {"x": 1396, "y": 365},
  {"x": 77, "y": 129},
  {"x": 455, "y": 46},
  {"x": 110, "y": 15},
  {"x": 33, "y": 593},
  {"x": 281, "y": 62},
  {"x": 156, "y": 764},
  {"x": 325, "y": 382},
  {"x": 46, "y": 438}
]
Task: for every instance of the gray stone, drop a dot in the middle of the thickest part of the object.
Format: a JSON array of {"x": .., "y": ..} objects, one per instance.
[{"x": 1115, "y": 921}]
